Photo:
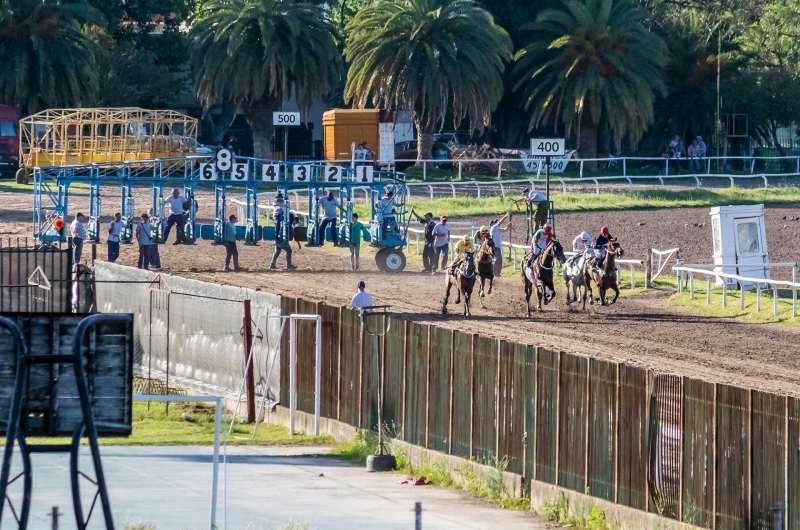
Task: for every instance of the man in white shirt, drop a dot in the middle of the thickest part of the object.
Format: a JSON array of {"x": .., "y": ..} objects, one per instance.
[
  {"x": 496, "y": 233},
  {"x": 143, "y": 233},
  {"x": 175, "y": 203},
  {"x": 114, "y": 230},
  {"x": 329, "y": 204},
  {"x": 78, "y": 233},
  {"x": 386, "y": 213},
  {"x": 441, "y": 243},
  {"x": 537, "y": 201},
  {"x": 361, "y": 299}
]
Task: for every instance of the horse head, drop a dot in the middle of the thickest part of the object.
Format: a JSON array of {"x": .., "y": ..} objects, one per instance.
[
  {"x": 468, "y": 265},
  {"x": 558, "y": 251},
  {"x": 616, "y": 248}
]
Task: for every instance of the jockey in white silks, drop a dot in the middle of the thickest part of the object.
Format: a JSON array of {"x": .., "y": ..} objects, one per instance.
[{"x": 580, "y": 245}]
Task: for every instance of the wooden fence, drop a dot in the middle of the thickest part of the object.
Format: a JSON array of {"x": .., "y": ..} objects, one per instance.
[{"x": 708, "y": 454}]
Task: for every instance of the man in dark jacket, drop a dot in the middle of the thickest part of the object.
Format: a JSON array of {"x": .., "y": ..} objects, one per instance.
[{"x": 428, "y": 254}]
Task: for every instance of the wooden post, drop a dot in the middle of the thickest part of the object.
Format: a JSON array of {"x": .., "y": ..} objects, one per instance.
[
  {"x": 497, "y": 382},
  {"x": 452, "y": 370},
  {"x": 535, "y": 407},
  {"x": 247, "y": 327},
  {"x": 714, "y": 463},
  {"x": 558, "y": 415},
  {"x": 683, "y": 436},
  {"x": 471, "y": 391},
  {"x": 428, "y": 385},
  {"x": 749, "y": 458},
  {"x": 94, "y": 253},
  {"x": 616, "y": 442},
  {"x": 361, "y": 372},
  {"x": 339, "y": 368},
  {"x": 405, "y": 369},
  {"x": 586, "y": 439},
  {"x": 648, "y": 271}
]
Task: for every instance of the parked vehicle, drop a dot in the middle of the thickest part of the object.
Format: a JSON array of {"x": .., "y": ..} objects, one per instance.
[
  {"x": 459, "y": 138},
  {"x": 408, "y": 151},
  {"x": 9, "y": 140}
]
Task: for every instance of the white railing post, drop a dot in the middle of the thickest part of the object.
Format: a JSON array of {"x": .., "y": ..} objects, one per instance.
[
  {"x": 724, "y": 294},
  {"x": 425, "y": 171},
  {"x": 741, "y": 296},
  {"x": 758, "y": 298},
  {"x": 774, "y": 300},
  {"x": 459, "y": 170},
  {"x": 794, "y": 302},
  {"x": 633, "y": 276},
  {"x": 708, "y": 166},
  {"x": 580, "y": 171},
  {"x": 691, "y": 286},
  {"x": 708, "y": 290},
  {"x": 752, "y": 164},
  {"x": 479, "y": 189},
  {"x": 625, "y": 168},
  {"x": 500, "y": 169},
  {"x": 666, "y": 170}
]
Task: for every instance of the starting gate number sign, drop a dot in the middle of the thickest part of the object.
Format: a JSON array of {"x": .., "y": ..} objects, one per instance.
[
  {"x": 333, "y": 173},
  {"x": 240, "y": 171},
  {"x": 208, "y": 171},
  {"x": 364, "y": 174},
  {"x": 270, "y": 172},
  {"x": 301, "y": 173},
  {"x": 224, "y": 160},
  {"x": 286, "y": 118},
  {"x": 547, "y": 146}
]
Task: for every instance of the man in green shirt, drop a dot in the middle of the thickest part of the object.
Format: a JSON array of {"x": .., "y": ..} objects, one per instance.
[{"x": 356, "y": 230}]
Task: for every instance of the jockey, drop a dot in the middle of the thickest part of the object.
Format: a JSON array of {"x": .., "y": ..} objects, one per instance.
[
  {"x": 541, "y": 238},
  {"x": 483, "y": 236},
  {"x": 580, "y": 245},
  {"x": 600, "y": 245},
  {"x": 463, "y": 247}
]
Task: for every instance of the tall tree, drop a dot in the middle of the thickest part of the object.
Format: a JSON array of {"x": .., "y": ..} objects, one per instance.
[
  {"x": 47, "y": 60},
  {"x": 436, "y": 58},
  {"x": 588, "y": 64},
  {"x": 257, "y": 53}
]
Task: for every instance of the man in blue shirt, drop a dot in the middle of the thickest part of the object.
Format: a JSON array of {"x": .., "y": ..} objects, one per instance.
[
  {"x": 329, "y": 204},
  {"x": 229, "y": 238}
]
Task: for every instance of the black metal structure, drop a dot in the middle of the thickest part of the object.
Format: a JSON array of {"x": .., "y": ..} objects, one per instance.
[
  {"x": 71, "y": 376},
  {"x": 19, "y": 260}
]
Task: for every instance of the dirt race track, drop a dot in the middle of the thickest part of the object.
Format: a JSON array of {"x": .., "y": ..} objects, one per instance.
[{"x": 643, "y": 329}]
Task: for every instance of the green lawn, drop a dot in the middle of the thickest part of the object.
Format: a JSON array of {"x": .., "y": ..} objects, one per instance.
[{"x": 732, "y": 309}]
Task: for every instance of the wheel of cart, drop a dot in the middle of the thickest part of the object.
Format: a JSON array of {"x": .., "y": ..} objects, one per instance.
[{"x": 389, "y": 259}]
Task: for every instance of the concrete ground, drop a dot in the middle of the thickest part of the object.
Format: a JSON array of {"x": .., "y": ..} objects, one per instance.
[{"x": 170, "y": 487}]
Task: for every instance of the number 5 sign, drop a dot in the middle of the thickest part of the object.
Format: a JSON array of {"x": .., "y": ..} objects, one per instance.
[{"x": 547, "y": 147}]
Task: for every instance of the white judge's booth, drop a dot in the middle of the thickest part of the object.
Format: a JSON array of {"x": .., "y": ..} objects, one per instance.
[{"x": 740, "y": 241}]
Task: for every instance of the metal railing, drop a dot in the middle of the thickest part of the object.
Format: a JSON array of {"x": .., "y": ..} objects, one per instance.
[{"x": 742, "y": 281}]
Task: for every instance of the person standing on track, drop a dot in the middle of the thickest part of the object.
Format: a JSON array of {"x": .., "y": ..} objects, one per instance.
[
  {"x": 277, "y": 213},
  {"x": 155, "y": 258},
  {"x": 361, "y": 299},
  {"x": 441, "y": 243},
  {"x": 143, "y": 232},
  {"x": 536, "y": 200},
  {"x": 329, "y": 204},
  {"x": 496, "y": 233},
  {"x": 114, "y": 230},
  {"x": 229, "y": 238},
  {"x": 428, "y": 254},
  {"x": 78, "y": 233},
  {"x": 175, "y": 203},
  {"x": 282, "y": 243},
  {"x": 356, "y": 231}
]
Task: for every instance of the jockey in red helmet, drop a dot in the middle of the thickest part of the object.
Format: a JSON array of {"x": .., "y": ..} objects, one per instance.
[{"x": 600, "y": 245}]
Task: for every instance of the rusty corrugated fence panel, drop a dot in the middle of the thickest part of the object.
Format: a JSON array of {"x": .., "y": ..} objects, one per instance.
[
  {"x": 511, "y": 422},
  {"x": 439, "y": 385},
  {"x": 330, "y": 359},
  {"x": 602, "y": 428},
  {"x": 632, "y": 458},
  {"x": 394, "y": 377},
  {"x": 665, "y": 445},
  {"x": 546, "y": 416},
  {"x": 732, "y": 457},
  {"x": 350, "y": 367},
  {"x": 462, "y": 394},
  {"x": 572, "y": 423},
  {"x": 698, "y": 453},
  {"x": 416, "y": 383},
  {"x": 484, "y": 401},
  {"x": 793, "y": 466},
  {"x": 288, "y": 306},
  {"x": 306, "y": 356},
  {"x": 769, "y": 453},
  {"x": 370, "y": 377}
]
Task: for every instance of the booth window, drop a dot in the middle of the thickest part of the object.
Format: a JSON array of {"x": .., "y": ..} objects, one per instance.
[
  {"x": 716, "y": 236},
  {"x": 747, "y": 234}
]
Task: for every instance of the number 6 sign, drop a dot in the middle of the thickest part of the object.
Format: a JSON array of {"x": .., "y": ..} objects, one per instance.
[{"x": 208, "y": 171}]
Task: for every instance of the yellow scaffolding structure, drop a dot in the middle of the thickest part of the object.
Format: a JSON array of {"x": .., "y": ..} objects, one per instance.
[{"x": 61, "y": 137}]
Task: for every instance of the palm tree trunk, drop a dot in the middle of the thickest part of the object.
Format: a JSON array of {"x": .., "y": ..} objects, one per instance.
[
  {"x": 587, "y": 140},
  {"x": 424, "y": 142},
  {"x": 216, "y": 129},
  {"x": 259, "y": 117}
]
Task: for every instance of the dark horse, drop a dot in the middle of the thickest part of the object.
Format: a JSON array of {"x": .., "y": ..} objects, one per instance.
[
  {"x": 543, "y": 270},
  {"x": 605, "y": 281},
  {"x": 464, "y": 280},
  {"x": 485, "y": 267}
]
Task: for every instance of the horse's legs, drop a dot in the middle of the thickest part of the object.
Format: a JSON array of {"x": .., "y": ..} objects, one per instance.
[
  {"x": 602, "y": 291},
  {"x": 566, "y": 285},
  {"x": 446, "y": 297},
  {"x": 587, "y": 292},
  {"x": 491, "y": 283},
  {"x": 528, "y": 292},
  {"x": 616, "y": 293},
  {"x": 458, "y": 290},
  {"x": 467, "y": 313}
]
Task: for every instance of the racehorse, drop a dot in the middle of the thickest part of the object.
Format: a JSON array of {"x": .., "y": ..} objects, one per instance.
[
  {"x": 543, "y": 269},
  {"x": 464, "y": 280},
  {"x": 485, "y": 259},
  {"x": 605, "y": 281},
  {"x": 573, "y": 276}
]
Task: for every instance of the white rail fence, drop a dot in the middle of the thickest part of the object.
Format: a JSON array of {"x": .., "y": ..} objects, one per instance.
[{"x": 761, "y": 284}]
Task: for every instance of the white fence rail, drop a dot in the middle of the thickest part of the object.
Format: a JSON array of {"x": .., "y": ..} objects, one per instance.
[{"x": 759, "y": 284}]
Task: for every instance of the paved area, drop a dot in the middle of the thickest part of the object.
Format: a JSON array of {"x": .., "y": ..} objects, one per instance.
[{"x": 170, "y": 487}]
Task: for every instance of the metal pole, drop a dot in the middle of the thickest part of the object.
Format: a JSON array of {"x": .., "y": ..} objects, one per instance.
[
  {"x": 54, "y": 517},
  {"x": 292, "y": 373},
  {"x": 215, "y": 465},
  {"x": 417, "y": 516},
  {"x": 547, "y": 177},
  {"x": 318, "y": 378},
  {"x": 285, "y": 144},
  {"x": 247, "y": 327}
]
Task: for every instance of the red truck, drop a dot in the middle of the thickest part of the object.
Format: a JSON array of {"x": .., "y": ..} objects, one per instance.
[{"x": 9, "y": 140}]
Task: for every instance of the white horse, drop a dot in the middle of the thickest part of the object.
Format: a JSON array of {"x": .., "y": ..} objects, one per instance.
[{"x": 573, "y": 273}]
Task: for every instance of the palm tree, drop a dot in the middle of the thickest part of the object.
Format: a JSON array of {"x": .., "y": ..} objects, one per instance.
[
  {"x": 590, "y": 63},
  {"x": 257, "y": 53},
  {"x": 436, "y": 58},
  {"x": 47, "y": 60}
]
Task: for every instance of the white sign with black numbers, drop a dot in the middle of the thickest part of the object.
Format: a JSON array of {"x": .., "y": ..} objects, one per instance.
[
  {"x": 333, "y": 173},
  {"x": 364, "y": 174},
  {"x": 285, "y": 118},
  {"x": 208, "y": 171},
  {"x": 301, "y": 173},
  {"x": 224, "y": 160},
  {"x": 536, "y": 164},
  {"x": 547, "y": 146},
  {"x": 241, "y": 170},
  {"x": 270, "y": 172}
]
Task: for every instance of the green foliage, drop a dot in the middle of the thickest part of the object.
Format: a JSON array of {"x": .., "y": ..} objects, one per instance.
[
  {"x": 48, "y": 61},
  {"x": 433, "y": 57},
  {"x": 558, "y": 510},
  {"x": 357, "y": 450},
  {"x": 132, "y": 77},
  {"x": 591, "y": 62}
]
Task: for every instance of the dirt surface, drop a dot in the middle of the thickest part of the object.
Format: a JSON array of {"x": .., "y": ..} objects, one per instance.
[{"x": 642, "y": 330}]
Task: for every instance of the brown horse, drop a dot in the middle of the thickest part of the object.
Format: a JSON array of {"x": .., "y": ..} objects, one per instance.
[
  {"x": 485, "y": 259},
  {"x": 464, "y": 280},
  {"x": 543, "y": 270},
  {"x": 605, "y": 281}
]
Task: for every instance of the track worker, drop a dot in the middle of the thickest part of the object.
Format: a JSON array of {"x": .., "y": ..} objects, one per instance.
[
  {"x": 155, "y": 258},
  {"x": 229, "y": 238},
  {"x": 428, "y": 254},
  {"x": 279, "y": 205},
  {"x": 386, "y": 213},
  {"x": 441, "y": 243},
  {"x": 356, "y": 233},
  {"x": 282, "y": 244},
  {"x": 114, "y": 230},
  {"x": 329, "y": 204},
  {"x": 175, "y": 203},
  {"x": 496, "y": 232},
  {"x": 536, "y": 200},
  {"x": 144, "y": 231},
  {"x": 78, "y": 233},
  {"x": 362, "y": 298}
]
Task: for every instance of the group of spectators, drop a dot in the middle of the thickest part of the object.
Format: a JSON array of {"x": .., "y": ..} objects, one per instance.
[{"x": 678, "y": 151}]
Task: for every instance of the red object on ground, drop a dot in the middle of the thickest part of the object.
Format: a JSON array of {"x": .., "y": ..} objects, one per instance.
[{"x": 411, "y": 481}]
